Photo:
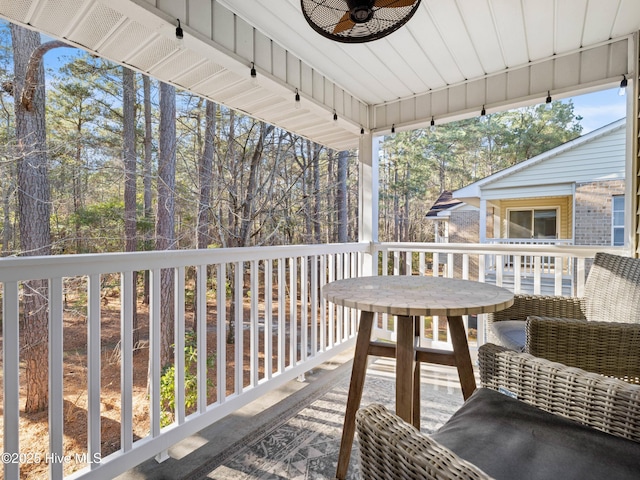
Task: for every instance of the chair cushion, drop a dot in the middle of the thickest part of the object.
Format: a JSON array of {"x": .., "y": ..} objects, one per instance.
[
  {"x": 511, "y": 333},
  {"x": 510, "y": 439}
]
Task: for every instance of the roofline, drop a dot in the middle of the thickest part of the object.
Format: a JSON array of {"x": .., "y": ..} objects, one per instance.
[{"x": 571, "y": 144}]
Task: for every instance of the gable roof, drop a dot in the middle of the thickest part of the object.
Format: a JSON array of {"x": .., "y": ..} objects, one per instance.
[
  {"x": 472, "y": 192},
  {"x": 444, "y": 202}
]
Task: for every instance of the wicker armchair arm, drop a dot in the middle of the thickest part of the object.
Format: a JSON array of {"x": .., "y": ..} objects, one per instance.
[
  {"x": 391, "y": 448},
  {"x": 607, "y": 404},
  {"x": 607, "y": 348},
  {"x": 540, "y": 305}
]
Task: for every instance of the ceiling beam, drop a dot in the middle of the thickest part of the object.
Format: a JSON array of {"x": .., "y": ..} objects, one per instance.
[{"x": 562, "y": 76}]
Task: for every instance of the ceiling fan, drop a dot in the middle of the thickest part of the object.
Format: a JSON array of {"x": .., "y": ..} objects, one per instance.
[{"x": 357, "y": 21}]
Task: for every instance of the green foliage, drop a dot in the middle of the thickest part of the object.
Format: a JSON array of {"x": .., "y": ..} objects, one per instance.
[
  {"x": 168, "y": 379},
  {"x": 100, "y": 215}
]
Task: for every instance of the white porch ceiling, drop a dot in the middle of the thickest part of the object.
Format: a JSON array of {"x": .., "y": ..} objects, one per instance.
[{"x": 453, "y": 57}]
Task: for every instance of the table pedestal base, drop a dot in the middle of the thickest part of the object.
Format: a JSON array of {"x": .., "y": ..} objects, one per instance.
[{"x": 408, "y": 357}]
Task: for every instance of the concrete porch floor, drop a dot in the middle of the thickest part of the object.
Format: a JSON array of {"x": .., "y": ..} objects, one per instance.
[{"x": 206, "y": 454}]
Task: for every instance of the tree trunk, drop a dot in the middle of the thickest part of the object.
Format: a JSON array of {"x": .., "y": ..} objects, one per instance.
[
  {"x": 232, "y": 240},
  {"x": 129, "y": 160},
  {"x": 205, "y": 178},
  {"x": 248, "y": 204},
  {"x": 315, "y": 158},
  {"x": 205, "y": 181},
  {"x": 8, "y": 190},
  {"x": 165, "y": 217},
  {"x": 304, "y": 164},
  {"x": 407, "y": 200},
  {"x": 33, "y": 210},
  {"x": 146, "y": 178},
  {"x": 76, "y": 182},
  {"x": 343, "y": 159},
  {"x": 396, "y": 207}
]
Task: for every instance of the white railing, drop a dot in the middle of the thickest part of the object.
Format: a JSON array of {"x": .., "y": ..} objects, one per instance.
[
  {"x": 500, "y": 264},
  {"x": 283, "y": 329},
  {"x": 527, "y": 262},
  {"x": 529, "y": 241}
]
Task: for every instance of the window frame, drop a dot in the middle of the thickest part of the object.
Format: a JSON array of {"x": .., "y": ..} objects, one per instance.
[
  {"x": 533, "y": 210},
  {"x": 616, "y": 227}
]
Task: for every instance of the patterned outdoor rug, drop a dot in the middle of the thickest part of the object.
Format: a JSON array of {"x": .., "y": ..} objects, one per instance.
[{"x": 304, "y": 443}]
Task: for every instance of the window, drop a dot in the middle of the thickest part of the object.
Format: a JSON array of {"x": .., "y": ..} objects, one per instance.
[
  {"x": 533, "y": 223},
  {"x": 617, "y": 220}
]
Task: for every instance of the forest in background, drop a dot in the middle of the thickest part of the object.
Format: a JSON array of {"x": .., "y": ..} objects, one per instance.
[{"x": 262, "y": 185}]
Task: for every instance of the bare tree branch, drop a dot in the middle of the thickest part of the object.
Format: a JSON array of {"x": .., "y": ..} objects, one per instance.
[{"x": 35, "y": 61}]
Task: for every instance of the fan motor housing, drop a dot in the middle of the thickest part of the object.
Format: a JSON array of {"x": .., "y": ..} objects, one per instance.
[{"x": 360, "y": 11}]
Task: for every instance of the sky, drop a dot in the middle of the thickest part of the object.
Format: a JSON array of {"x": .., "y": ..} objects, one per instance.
[{"x": 599, "y": 109}]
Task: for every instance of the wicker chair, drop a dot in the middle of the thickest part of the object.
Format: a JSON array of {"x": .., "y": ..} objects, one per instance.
[
  {"x": 391, "y": 448},
  {"x": 599, "y": 332}
]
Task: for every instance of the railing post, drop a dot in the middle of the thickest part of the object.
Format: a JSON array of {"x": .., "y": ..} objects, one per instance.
[
  {"x": 11, "y": 377},
  {"x": 221, "y": 333},
  {"x": 201, "y": 336},
  {"x": 126, "y": 361},
  {"x": 179, "y": 333},
  {"x": 56, "y": 375},
  {"x": 94, "y": 351}
]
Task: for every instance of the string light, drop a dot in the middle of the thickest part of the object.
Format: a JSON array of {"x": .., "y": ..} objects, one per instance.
[
  {"x": 432, "y": 127},
  {"x": 623, "y": 86},
  {"x": 179, "y": 32},
  {"x": 254, "y": 74},
  {"x": 335, "y": 116},
  {"x": 483, "y": 114},
  {"x": 393, "y": 128},
  {"x": 298, "y": 104}
]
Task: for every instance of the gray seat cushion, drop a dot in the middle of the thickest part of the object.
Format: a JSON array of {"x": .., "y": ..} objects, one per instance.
[
  {"x": 510, "y": 439},
  {"x": 511, "y": 333}
]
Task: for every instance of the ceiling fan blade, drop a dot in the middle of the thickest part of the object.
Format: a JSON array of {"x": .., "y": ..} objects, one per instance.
[
  {"x": 344, "y": 24},
  {"x": 393, "y": 3}
]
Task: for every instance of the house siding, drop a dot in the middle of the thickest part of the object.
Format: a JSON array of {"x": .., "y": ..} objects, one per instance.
[
  {"x": 593, "y": 211},
  {"x": 601, "y": 159}
]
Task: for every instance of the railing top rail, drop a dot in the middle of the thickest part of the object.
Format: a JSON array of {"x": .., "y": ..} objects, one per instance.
[
  {"x": 545, "y": 241},
  {"x": 550, "y": 250},
  {"x": 30, "y": 268},
  {"x": 27, "y": 268}
]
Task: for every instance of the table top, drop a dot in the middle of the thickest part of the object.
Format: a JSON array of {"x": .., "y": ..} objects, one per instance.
[{"x": 413, "y": 295}]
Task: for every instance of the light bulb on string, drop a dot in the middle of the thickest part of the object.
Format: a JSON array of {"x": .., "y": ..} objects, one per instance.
[
  {"x": 254, "y": 75},
  {"x": 623, "y": 86},
  {"x": 298, "y": 104}
]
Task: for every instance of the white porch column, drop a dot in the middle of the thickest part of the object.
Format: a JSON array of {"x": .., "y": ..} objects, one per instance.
[
  {"x": 483, "y": 221},
  {"x": 368, "y": 195}
]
